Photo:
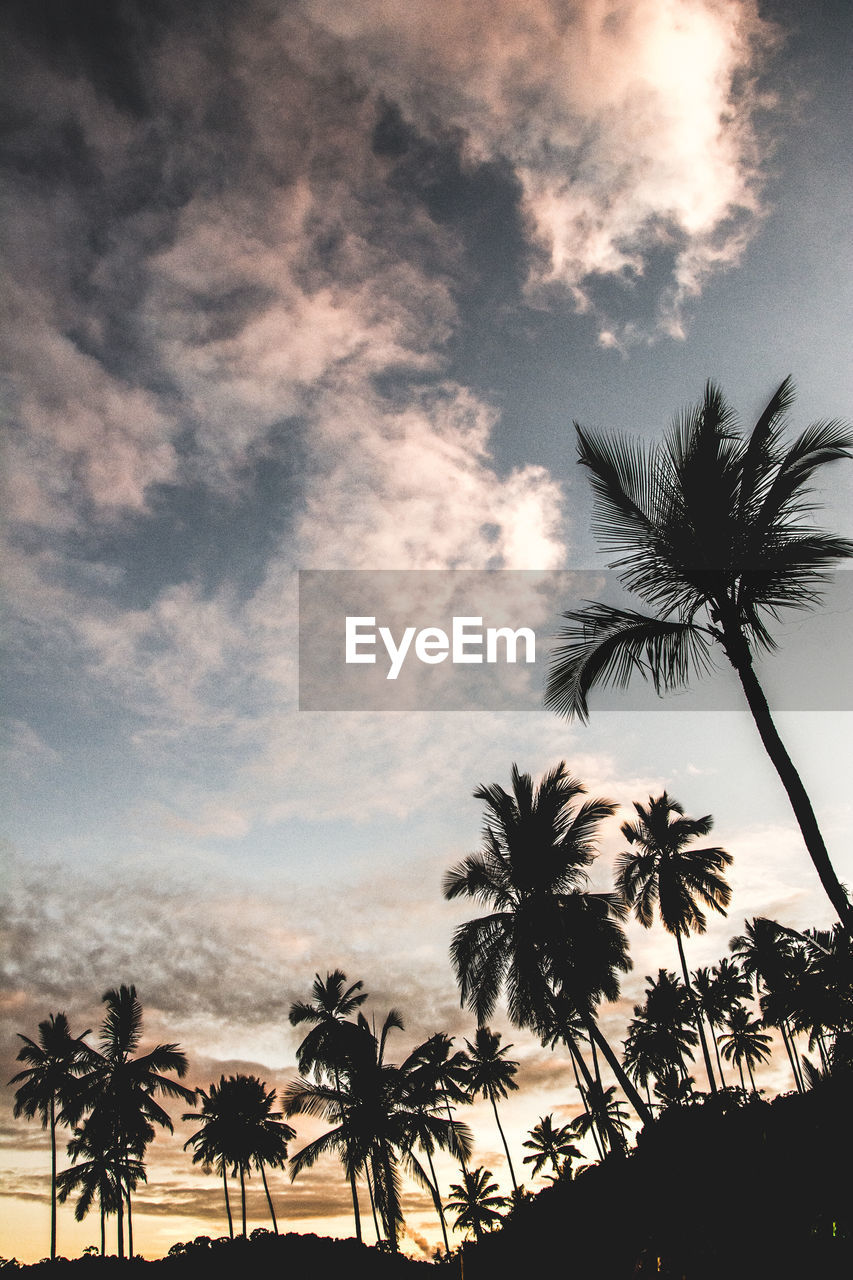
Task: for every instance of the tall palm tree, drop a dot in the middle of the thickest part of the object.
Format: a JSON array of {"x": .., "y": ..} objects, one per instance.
[
  {"x": 430, "y": 1073},
  {"x": 477, "y": 1202},
  {"x": 212, "y": 1140},
  {"x": 709, "y": 529},
  {"x": 491, "y": 1075},
  {"x": 718, "y": 991},
  {"x": 663, "y": 869},
  {"x": 47, "y": 1087},
  {"x": 99, "y": 1169},
  {"x": 119, "y": 1089},
  {"x": 659, "y": 1035},
  {"x": 322, "y": 1049},
  {"x": 549, "y": 941},
  {"x": 765, "y": 951},
  {"x": 546, "y": 1142},
  {"x": 607, "y": 1113},
  {"x": 378, "y": 1119},
  {"x": 744, "y": 1041}
]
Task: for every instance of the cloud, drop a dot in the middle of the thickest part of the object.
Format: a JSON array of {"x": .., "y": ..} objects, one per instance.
[{"x": 631, "y": 125}]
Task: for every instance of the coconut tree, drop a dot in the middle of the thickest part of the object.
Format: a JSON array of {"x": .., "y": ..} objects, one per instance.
[
  {"x": 119, "y": 1089},
  {"x": 491, "y": 1076},
  {"x": 744, "y": 1041},
  {"x": 765, "y": 952},
  {"x": 323, "y": 1048},
  {"x": 548, "y": 1143},
  {"x": 664, "y": 869},
  {"x": 48, "y": 1087},
  {"x": 428, "y": 1073},
  {"x": 477, "y": 1202},
  {"x": 659, "y": 1035},
  {"x": 709, "y": 528},
  {"x": 378, "y": 1118},
  {"x": 548, "y": 941},
  {"x": 100, "y": 1170},
  {"x": 211, "y": 1142},
  {"x": 718, "y": 991},
  {"x": 607, "y": 1113}
]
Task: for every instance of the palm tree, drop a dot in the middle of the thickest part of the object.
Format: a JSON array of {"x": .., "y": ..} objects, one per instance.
[
  {"x": 744, "y": 1041},
  {"x": 47, "y": 1087},
  {"x": 212, "y": 1140},
  {"x": 429, "y": 1073},
  {"x": 606, "y": 1113},
  {"x": 103, "y": 1171},
  {"x": 709, "y": 529},
  {"x": 718, "y": 990},
  {"x": 120, "y": 1090},
  {"x": 378, "y": 1116},
  {"x": 477, "y": 1202},
  {"x": 549, "y": 1143},
  {"x": 664, "y": 870},
  {"x": 765, "y": 950},
  {"x": 550, "y": 942},
  {"x": 491, "y": 1075},
  {"x": 659, "y": 1038},
  {"x": 322, "y": 1048}
]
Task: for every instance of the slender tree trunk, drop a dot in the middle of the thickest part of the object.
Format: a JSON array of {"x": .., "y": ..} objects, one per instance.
[
  {"x": 577, "y": 1057},
  {"x": 503, "y": 1139},
  {"x": 696, "y": 1015},
  {"x": 52, "y": 1179},
  {"x": 797, "y": 1082},
  {"x": 120, "y": 1221},
  {"x": 616, "y": 1067},
  {"x": 751, "y": 1076},
  {"x": 269, "y": 1197},
  {"x": 391, "y": 1205},
  {"x": 603, "y": 1138},
  {"x": 227, "y": 1200},
  {"x": 372, "y": 1202},
  {"x": 437, "y": 1198},
  {"x": 739, "y": 655},
  {"x": 355, "y": 1209},
  {"x": 740, "y": 1069},
  {"x": 243, "y": 1197},
  {"x": 796, "y": 1057},
  {"x": 103, "y": 1231},
  {"x": 717, "y": 1054},
  {"x": 129, "y": 1226}
]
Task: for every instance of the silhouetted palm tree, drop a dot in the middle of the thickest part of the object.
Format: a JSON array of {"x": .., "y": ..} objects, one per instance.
[
  {"x": 659, "y": 1036},
  {"x": 47, "y": 1087},
  {"x": 323, "y": 1048},
  {"x": 607, "y": 1113},
  {"x": 664, "y": 870},
  {"x": 718, "y": 990},
  {"x": 549, "y": 1143},
  {"x": 119, "y": 1089},
  {"x": 744, "y": 1041},
  {"x": 548, "y": 941},
  {"x": 100, "y": 1169},
  {"x": 491, "y": 1075},
  {"x": 709, "y": 529},
  {"x": 429, "y": 1072},
  {"x": 477, "y": 1202},
  {"x": 765, "y": 950},
  {"x": 212, "y": 1140},
  {"x": 385, "y": 1119}
]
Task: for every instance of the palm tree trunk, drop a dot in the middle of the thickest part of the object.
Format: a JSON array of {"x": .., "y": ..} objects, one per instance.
[
  {"x": 372, "y": 1202},
  {"x": 798, "y": 1084},
  {"x": 355, "y": 1209},
  {"x": 227, "y": 1200},
  {"x": 740, "y": 1069},
  {"x": 503, "y": 1139},
  {"x": 616, "y": 1067},
  {"x": 391, "y": 1204},
  {"x": 243, "y": 1197},
  {"x": 129, "y": 1227},
  {"x": 751, "y": 1076},
  {"x": 796, "y": 1055},
  {"x": 120, "y": 1221},
  {"x": 438, "y": 1203},
  {"x": 103, "y": 1231},
  {"x": 696, "y": 1015},
  {"x": 577, "y": 1057},
  {"x": 269, "y": 1197},
  {"x": 737, "y": 651},
  {"x": 717, "y": 1054},
  {"x": 52, "y": 1178}
]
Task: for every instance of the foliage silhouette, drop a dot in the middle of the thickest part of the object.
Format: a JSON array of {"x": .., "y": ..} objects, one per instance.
[{"x": 709, "y": 528}]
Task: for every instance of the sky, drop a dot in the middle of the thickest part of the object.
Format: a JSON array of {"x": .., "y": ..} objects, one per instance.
[{"x": 313, "y": 286}]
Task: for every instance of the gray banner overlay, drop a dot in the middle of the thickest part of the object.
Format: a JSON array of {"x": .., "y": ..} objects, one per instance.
[{"x": 467, "y": 640}]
